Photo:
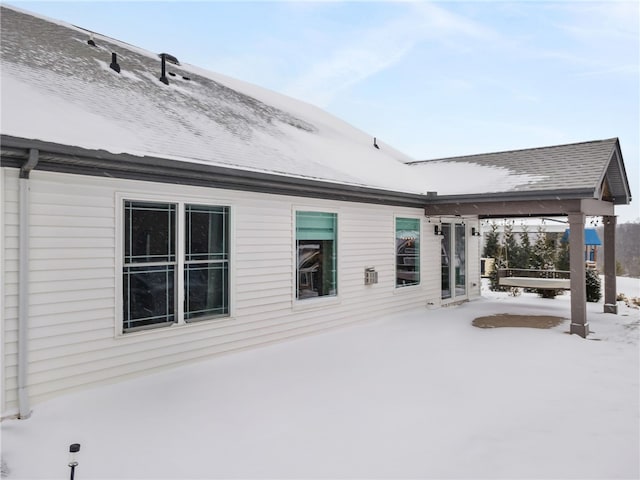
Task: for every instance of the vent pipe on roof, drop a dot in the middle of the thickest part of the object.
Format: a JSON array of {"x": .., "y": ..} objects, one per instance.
[
  {"x": 114, "y": 62},
  {"x": 169, "y": 58},
  {"x": 375, "y": 144},
  {"x": 163, "y": 74},
  {"x": 90, "y": 41}
]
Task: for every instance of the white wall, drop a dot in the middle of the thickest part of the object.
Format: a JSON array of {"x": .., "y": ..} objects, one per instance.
[{"x": 73, "y": 274}]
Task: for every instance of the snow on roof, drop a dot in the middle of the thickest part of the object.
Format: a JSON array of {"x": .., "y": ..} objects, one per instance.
[
  {"x": 578, "y": 166},
  {"x": 57, "y": 88}
]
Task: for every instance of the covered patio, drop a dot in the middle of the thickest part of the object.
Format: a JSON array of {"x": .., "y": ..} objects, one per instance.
[{"x": 576, "y": 181}]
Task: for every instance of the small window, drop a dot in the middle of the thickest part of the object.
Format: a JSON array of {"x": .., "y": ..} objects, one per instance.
[
  {"x": 316, "y": 243},
  {"x": 407, "y": 251}
]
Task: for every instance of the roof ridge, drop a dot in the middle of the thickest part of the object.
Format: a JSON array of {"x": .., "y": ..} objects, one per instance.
[{"x": 514, "y": 150}]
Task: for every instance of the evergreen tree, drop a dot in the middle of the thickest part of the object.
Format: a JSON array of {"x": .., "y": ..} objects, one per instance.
[
  {"x": 511, "y": 247},
  {"x": 593, "y": 285},
  {"x": 525, "y": 248},
  {"x": 563, "y": 257},
  {"x": 543, "y": 252},
  {"x": 494, "y": 286},
  {"x": 492, "y": 243}
]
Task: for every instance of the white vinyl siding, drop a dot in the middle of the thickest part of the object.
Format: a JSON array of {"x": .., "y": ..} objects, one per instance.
[
  {"x": 74, "y": 280},
  {"x": 474, "y": 244}
]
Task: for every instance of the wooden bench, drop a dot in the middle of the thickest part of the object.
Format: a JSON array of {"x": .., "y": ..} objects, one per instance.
[{"x": 529, "y": 278}]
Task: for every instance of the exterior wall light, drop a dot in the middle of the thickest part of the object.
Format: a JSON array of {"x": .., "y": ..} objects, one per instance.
[
  {"x": 475, "y": 232},
  {"x": 74, "y": 448},
  {"x": 437, "y": 230}
]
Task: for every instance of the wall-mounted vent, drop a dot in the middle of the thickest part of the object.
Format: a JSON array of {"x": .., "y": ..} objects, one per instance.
[
  {"x": 370, "y": 276},
  {"x": 169, "y": 58},
  {"x": 114, "y": 63}
]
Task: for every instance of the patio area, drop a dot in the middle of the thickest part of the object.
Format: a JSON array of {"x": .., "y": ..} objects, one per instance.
[{"x": 422, "y": 394}]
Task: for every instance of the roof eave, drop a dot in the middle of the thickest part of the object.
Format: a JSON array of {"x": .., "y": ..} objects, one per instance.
[{"x": 76, "y": 160}]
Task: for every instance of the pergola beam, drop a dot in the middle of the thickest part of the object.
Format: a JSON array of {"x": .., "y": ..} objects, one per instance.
[{"x": 520, "y": 208}]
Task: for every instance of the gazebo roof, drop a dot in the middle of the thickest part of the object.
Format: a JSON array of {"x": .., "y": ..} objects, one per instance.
[
  {"x": 591, "y": 169},
  {"x": 591, "y": 237}
]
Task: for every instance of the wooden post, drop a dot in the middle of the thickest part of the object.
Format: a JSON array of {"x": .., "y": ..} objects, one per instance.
[
  {"x": 579, "y": 324},
  {"x": 610, "y": 294}
]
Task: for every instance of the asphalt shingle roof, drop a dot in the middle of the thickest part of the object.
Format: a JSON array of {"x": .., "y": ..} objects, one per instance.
[
  {"x": 56, "y": 88},
  {"x": 577, "y": 166}
]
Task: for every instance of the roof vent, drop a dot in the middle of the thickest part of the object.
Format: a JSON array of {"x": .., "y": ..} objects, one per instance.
[
  {"x": 169, "y": 58},
  {"x": 114, "y": 62},
  {"x": 90, "y": 41},
  {"x": 163, "y": 71},
  {"x": 375, "y": 144}
]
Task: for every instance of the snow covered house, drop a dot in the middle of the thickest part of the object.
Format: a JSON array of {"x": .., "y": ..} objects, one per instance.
[{"x": 153, "y": 214}]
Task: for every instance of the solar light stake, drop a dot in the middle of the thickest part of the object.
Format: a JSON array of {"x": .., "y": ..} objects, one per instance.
[{"x": 74, "y": 448}]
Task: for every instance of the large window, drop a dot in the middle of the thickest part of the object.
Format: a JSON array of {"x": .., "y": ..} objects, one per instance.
[
  {"x": 153, "y": 272},
  {"x": 407, "y": 251},
  {"x": 316, "y": 243},
  {"x": 206, "y": 269}
]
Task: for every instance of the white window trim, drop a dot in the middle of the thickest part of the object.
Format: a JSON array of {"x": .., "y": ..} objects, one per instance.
[
  {"x": 180, "y": 201},
  {"x": 319, "y": 302}
]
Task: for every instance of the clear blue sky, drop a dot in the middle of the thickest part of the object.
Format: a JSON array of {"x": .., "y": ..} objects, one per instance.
[{"x": 431, "y": 79}]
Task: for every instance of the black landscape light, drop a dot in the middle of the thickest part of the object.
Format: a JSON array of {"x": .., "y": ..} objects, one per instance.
[{"x": 74, "y": 448}]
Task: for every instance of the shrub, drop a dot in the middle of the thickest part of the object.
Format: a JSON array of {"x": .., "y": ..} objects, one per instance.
[
  {"x": 547, "y": 292},
  {"x": 593, "y": 285}
]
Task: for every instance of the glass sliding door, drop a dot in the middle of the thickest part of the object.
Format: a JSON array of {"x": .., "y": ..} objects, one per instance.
[
  {"x": 453, "y": 250},
  {"x": 460, "y": 263},
  {"x": 445, "y": 255}
]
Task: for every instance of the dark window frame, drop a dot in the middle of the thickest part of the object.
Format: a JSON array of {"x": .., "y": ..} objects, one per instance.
[{"x": 173, "y": 251}]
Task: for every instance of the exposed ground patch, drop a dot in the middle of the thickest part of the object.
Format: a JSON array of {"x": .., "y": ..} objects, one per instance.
[{"x": 509, "y": 320}]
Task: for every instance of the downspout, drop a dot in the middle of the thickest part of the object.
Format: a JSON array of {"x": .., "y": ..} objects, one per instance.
[{"x": 23, "y": 283}]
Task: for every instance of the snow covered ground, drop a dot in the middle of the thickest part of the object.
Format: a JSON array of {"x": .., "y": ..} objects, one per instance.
[{"x": 422, "y": 395}]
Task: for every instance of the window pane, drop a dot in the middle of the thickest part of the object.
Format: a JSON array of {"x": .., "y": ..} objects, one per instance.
[
  {"x": 316, "y": 226},
  {"x": 445, "y": 255},
  {"x": 149, "y": 232},
  {"x": 461, "y": 267},
  {"x": 206, "y": 233},
  {"x": 206, "y": 290},
  {"x": 148, "y": 295},
  {"x": 316, "y": 235},
  {"x": 407, "y": 251}
]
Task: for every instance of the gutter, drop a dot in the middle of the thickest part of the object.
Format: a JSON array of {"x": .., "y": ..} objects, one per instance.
[
  {"x": 24, "y": 410},
  {"x": 77, "y": 160}
]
